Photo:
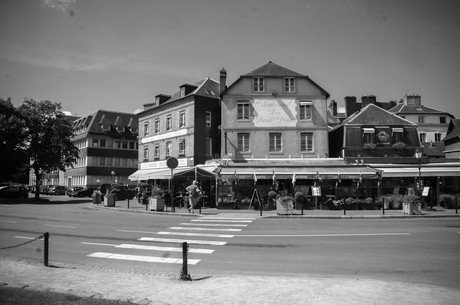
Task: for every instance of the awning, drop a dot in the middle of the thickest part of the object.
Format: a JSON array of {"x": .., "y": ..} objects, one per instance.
[
  {"x": 165, "y": 173},
  {"x": 345, "y": 172},
  {"x": 425, "y": 171}
]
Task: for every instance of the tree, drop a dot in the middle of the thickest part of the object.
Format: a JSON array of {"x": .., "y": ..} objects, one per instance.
[
  {"x": 13, "y": 161},
  {"x": 48, "y": 142}
]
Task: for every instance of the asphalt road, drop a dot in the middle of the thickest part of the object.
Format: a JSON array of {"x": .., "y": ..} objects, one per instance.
[{"x": 413, "y": 250}]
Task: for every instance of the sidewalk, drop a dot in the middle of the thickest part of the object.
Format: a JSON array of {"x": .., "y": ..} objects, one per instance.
[
  {"x": 152, "y": 289},
  {"x": 134, "y": 206}
]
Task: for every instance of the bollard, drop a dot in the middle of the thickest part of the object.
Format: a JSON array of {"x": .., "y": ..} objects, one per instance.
[
  {"x": 184, "y": 276},
  {"x": 46, "y": 252},
  {"x": 456, "y": 205},
  {"x": 128, "y": 203},
  {"x": 344, "y": 208}
]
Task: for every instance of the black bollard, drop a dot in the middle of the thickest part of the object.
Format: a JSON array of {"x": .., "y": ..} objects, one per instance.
[
  {"x": 184, "y": 276},
  {"x": 383, "y": 206},
  {"x": 456, "y": 205},
  {"x": 46, "y": 252}
]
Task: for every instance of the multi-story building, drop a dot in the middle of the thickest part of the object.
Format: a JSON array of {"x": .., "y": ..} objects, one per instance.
[
  {"x": 432, "y": 124},
  {"x": 108, "y": 149},
  {"x": 273, "y": 112},
  {"x": 184, "y": 125}
]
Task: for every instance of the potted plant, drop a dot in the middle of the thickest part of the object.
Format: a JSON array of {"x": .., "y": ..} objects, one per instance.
[
  {"x": 156, "y": 201},
  {"x": 411, "y": 205},
  {"x": 299, "y": 199},
  {"x": 369, "y": 204},
  {"x": 369, "y": 146},
  {"x": 399, "y": 145}
]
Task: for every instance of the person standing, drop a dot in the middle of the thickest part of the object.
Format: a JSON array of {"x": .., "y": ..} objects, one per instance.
[{"x": 193, "y": 195}]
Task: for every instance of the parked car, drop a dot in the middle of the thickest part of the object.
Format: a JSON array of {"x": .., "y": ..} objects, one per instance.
[
  {"x": 72, "y": 190},
  {"x": 57, "y": 190},
  {"x": 84, "y": 192},
  {"x": 14, "y": 191},
  {"x": 123, "y": 193}
]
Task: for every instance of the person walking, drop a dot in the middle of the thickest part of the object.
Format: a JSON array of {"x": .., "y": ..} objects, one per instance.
[{"x": 193, "y": 195}]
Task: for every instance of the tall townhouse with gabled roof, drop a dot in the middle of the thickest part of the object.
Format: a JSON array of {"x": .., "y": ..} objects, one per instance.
[
  {"x": 108, "y": 149},
  {"x": 273, "y": 112},
  {"x": 183, "y": 125}
]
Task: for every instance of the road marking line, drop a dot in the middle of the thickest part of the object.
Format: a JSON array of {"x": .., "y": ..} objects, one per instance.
[
  {"x": 190, "y": 241},
  {"x": 56, "y": 226},
  {"x": 329, "y": 235},
  {"x": 206, "y": 229},
  {"x": 98, "y": 244},
  {"x": 220, "y": 220},
  {"x": 152, "y": 248},
  {"x": 211, "y": 224},
  {"x": 141, "y": 258},
  {"x": 196, "y": 234},
  {"x": 8, "y": 221},
  {"x": 229, "y": 218},
  {"x": 170, "y": 249},
  {"x": 131, "y": 231}
]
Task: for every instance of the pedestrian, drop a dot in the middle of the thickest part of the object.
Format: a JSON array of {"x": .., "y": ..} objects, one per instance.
[{"x": 193, "y": 195}]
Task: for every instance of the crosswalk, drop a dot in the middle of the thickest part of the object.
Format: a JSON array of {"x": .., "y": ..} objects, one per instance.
[{"x": 208, "y": 232}]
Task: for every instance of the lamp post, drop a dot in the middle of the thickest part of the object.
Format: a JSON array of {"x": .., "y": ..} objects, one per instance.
[
  {"x": 418, "y": 155},
  {"x": 113, "y": 176}
]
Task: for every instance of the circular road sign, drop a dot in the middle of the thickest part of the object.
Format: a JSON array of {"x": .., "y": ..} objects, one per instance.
[{"x": 172, "y": 162}]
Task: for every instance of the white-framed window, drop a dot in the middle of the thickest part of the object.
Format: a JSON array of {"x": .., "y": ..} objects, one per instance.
[
  {"x": 146, "y": 153},
  {"x": 182, "y": 148},
  {"x": 368, "y": 135},
  {"x": 421, "y": 119},
  {"x": 209, "y": 146},
  {"x": 182, "y": 119},
  {"x": 125, "y": 145},
  {"x": 101, "y": 161},
  {"x": 275, "y": 143},
  {"x": 108, "y": 161},
  {"x": 156, "y": 152},
  {"x": 208, "y": 119},
  {"x": 305, "y": 109},
  {"x": 422, "y": 137},
  {"x": 146, "y": 129},
  {"x": 442, "y": 120},
  {"x": 243, "y": 111},
  {"x": 397, "y": 134},
  {"x": 168, "y": 149},
  {"x": 102, "y": 143},
  {"x": 169, "y": 123},
  {"x": 258, "y": 84},
  {"x": 306, "y": 141},
  {"x": 157, "y": 125},
  {"x": 289, "y": 84},
  {"x": 243, "y": 142},
  {"x": 95, "y": 142},
  {"x": 437, "y": 137}
]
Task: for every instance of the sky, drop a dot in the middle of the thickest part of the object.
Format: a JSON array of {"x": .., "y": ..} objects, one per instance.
[{"x": 119, "y": 54}]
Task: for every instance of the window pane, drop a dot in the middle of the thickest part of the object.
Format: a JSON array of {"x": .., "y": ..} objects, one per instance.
[
  {"x": 243, "y": 141},
  {"x": 275, "y": 142},
  {"x": 306, "y": 142}
]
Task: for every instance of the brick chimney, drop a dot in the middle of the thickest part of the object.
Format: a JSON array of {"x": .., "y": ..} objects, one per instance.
[
  {"x": 222, "y": 80},
  {"x": 333, "y": 107},
  {"x": 351, "y": 106},
  {"x": 413, "y": 100},
  {"x": 369, "y": 99}
]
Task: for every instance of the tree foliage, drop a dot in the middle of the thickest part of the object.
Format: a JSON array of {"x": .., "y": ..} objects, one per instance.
[
  {"x": 12, "y": 143},
  {"x": 35, "y": 135}
]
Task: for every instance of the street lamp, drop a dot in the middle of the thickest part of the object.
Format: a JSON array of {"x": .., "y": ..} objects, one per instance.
[
  {"x": 418, "y": 155},
  {"x": 113, "y": 176}
]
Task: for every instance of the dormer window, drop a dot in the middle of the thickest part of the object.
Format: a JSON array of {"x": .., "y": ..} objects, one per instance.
[
  {"x": 289, "y": 84},
  {"x": 258, "y": 84}
]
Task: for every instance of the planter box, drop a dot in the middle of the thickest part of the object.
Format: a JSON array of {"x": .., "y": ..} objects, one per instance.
[
  {"x": 109, "y": 201},
  {"x": 284, "y": 208},
  {"x": 412, "y": 208},
  {"x": 156, "y": 204}
]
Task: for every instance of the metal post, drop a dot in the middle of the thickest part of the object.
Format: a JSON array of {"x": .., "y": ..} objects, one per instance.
[
  {"x": 184, "y": 276},
  {"x": 456, "y": 205},
  {"x": 383, "y": 205},
  {"x": 128, "y": 203},
  {"x": 261, "y": 206},
  {"x": 46, "y": 252},
  {"x": 344, "y": 208}
]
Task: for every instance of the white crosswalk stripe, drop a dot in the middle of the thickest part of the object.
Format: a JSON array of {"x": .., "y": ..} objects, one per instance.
[{"x": 194, "y": 228}]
